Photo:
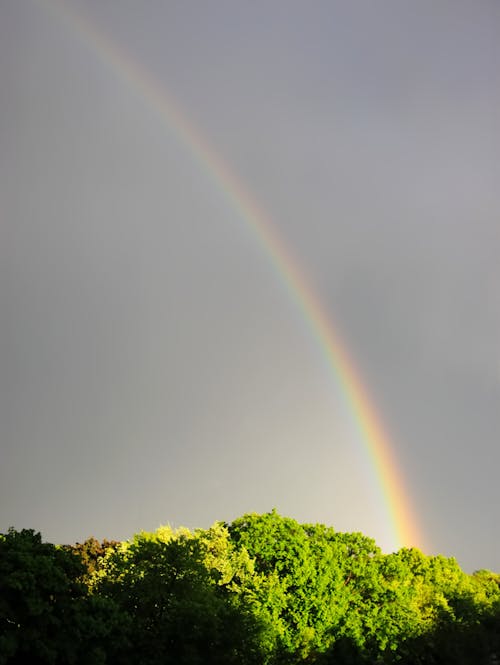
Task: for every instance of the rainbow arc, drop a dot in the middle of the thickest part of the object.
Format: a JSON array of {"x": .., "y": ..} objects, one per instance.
[{"x": 375, "y": 440}]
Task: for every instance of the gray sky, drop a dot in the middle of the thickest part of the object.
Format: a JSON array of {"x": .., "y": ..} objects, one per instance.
[{"x": 153, "y": 368}]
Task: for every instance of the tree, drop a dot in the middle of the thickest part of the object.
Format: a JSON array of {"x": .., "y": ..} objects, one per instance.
[
  {"x": 44, "y": 614},
  {"x": 179, "y": 614}
]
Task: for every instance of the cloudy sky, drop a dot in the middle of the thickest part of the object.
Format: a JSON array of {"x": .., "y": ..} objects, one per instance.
[{"x": 153, "y": 367}]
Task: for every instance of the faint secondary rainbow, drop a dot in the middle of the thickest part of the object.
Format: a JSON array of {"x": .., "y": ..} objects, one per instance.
[{"x": 389, "y": 478}]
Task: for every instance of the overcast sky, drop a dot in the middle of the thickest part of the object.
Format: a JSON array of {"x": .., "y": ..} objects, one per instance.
[{"x": 153, "y": 368}]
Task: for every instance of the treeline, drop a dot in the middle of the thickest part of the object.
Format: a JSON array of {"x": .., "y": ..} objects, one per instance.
[{"x": 261, "y": 590}]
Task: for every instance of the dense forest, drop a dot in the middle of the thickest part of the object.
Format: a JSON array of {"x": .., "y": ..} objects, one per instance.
[{"x": 263, "y": 589}]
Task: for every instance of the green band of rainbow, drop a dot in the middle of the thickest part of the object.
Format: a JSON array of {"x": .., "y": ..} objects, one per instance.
[{"x": 393, "y": 496}]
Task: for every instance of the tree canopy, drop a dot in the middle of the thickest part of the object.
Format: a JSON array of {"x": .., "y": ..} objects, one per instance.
[{"x": 263, "y": 589}]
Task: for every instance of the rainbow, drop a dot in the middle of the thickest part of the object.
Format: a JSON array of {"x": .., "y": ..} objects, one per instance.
[{"x": 376, "y": 443}]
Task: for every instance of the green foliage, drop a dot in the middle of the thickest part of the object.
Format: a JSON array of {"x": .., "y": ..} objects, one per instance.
[
  {"x": 46, "y": 613},
  {"x": 179, "y": 614},
  {"x": 309, "y": 580},
  {"x": 263, "y": 590}
]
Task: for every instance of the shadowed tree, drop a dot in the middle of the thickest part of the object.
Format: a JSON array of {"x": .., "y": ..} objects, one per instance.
[{"x": 46, "y": 613}]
